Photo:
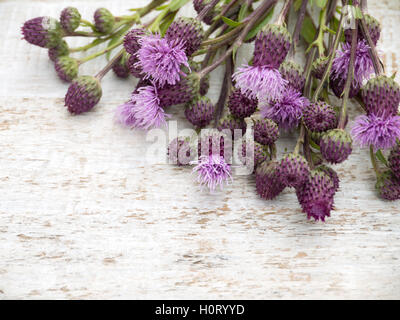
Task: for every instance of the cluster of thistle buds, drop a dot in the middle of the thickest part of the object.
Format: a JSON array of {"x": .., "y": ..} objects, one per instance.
[{"x": 172, "y": 57}]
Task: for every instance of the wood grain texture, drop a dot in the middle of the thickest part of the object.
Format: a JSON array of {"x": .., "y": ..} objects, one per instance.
[{"x": 82, "y": 215}]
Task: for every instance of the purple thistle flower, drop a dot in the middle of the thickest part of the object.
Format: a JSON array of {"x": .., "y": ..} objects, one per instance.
[
  {"x": 240, "y": 105},
  {"x": 200, "y": 112},
  {"x": 286, "y": 111},
  {"x": 66, "y": 68},
  {"x": 336, "y": 145},
  {"x": 62, "y": 49},
  {"x": 213, "y": 171},
  {"x": 143, "y": 111},
  {"x": 162, "y": 59},
  {"x": 229, "y": 122},
  {"x": 293, "y": 73},
  {"x": 180, "y": 151},
  {"x": 363, "y": 66},
  {"x": 261, "y": 82},
  {"x": 121, "y": 68},
  {"x": 268, "y": 183},
  {"x": 379, "y": 132}
]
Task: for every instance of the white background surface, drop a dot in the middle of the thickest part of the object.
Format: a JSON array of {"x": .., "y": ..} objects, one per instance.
[{"x": 83, "y": 216}]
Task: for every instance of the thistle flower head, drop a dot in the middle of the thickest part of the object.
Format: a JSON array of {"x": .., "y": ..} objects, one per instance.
[
  {"x": 162, "y": 59},
  {"x": 104, "y": 20},
  {"x": 252, "y": 150},
  {"x": 131, "y": 40},
  {"x": 200, "y": 112},
  {"x": 268, "y": 183},
  {"x": 320, "y": 117},
  {"x": 272, "y": 46},
  {"x": 394, "y": 161},
  {"x": 381, "y": 96},
  {"x": 376, "y": 131},
  {"x": 59, "y": 51},
  {"x": 319, "y": 66},
  {"x": 293, "y": 170},
  {"x": 266, "y": 131},
  {"x": 70, "y": 19},
  {"x": 316, "y": 196},
  {"x": 143, "y": 111},
  {"x": 189, "y": 30},
  {"x": 240, "y": 105},
  {"x": 83, "y": 94},
  {"x": 388, "y": 186},
  {"x": 363, "y": 66},
  {"x": 332, "y": 174},
  {"x": 44, "y": 32},
  {"x": 66, "y": 68},
  {"x": 261, "y": 82},
  {"x": 229, "y": 122},
  {"x": 213, "y": 171},
  {"x": 336, "y": 145},
  {"x": 293, "y": 73},
  {"x": 134, "y": 67},
  {"x": 286, "y": 111},
  {"x": 121, "y": 68},
  {"x": 180, "y": 151}
]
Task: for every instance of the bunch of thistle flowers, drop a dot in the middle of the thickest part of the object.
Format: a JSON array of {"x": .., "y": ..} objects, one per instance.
[{"x": 172, "y": 58}]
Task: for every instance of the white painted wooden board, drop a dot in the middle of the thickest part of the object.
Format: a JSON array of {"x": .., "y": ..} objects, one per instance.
[{"x": 83, "y": 216}]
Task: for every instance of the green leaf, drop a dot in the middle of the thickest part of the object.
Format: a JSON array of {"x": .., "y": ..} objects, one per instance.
[
  {"x": 314, "y": 145},
  {"x": 321, "y": 3},
  {"x": 297, "y": 5},
  {"x": 160, "y": 8},
  {"x": 243, "y": 12},
  {"x": 308, "y": 30},
  {"x": 177, "y": 4},
  {"x": 253, "y": 32},
  {"x": 167, "y": 22},
  {"x": 110, "y": 43},
  {"x": 230, "y": 22},
  {"x": 381, "y": 157}
]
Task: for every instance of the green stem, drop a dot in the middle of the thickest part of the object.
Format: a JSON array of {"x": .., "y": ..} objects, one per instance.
[
  {"x": 300, "y": 140},
  {"x": 100, "y": 53},
  {"x": 373, "y": 161},
  {"x": 331, "y": 57}
]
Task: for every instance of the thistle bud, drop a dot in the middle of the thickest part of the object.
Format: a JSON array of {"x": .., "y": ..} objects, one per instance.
[
  {"x": 189, "y": 30},
  {"x": 320, "y": 117},
  {"x": 70, "y": 19},
  {"x": 83, "y": 94},
  {"x": 182, "y": 92},
  {"x": 121, "y": 68},
  {"x": 268, "y": 182},
  {"x": 253, "y": 150},
  {"x": 316, "y": 196},
  {"x": 388, "y": 186},
  {"x": 319, "y": 67},
  {"x": 293, "y": 170},
  {"x": 180, "y": 151},
  {"x": 332, "y": 174},
  {"x": 104, "y": 20},
  {"x": 240, "y": 105},
  {"x": 266, "y": 131},
  {"x": 131, "y": 40},
  {"x": 200, "y": 113},
  {"x": 66, "y": 68},
  {"x": 44, "y": 32},
  {"x": 59, "y": 51},
  {"x": 374, "y": 28},
  {"x": 394, "y": 161},
  {"x": 134, "y": 67},
  {"x": 293, "y": 73},
  {"x": 229, "y": 122},
  {"x": 336, "y": 145},
  {"x": 381, "y": 96},
  {"x": 272, "y": 46}
]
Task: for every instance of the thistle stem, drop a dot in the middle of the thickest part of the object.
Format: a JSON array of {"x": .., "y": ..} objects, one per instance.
[
  {"x": 282, "y": 15},
  {"x": 350, "y": 77},
  {"x": 300, "y": 140},
  {"x": 331, "y": 56},
  {"x": 109, "y": 65},
  {"x": 207, "y": 9},
  {"x": 378, "y": 66},
  {"x": 100, "y": 53},
  {"x": 239, "y": 41},
  {"x": 373, "y": 161},
  {"x": 297, "y": 28}
]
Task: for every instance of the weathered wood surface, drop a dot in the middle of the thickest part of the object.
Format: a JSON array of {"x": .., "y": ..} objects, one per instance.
[{"x": 83, "y": 216}]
